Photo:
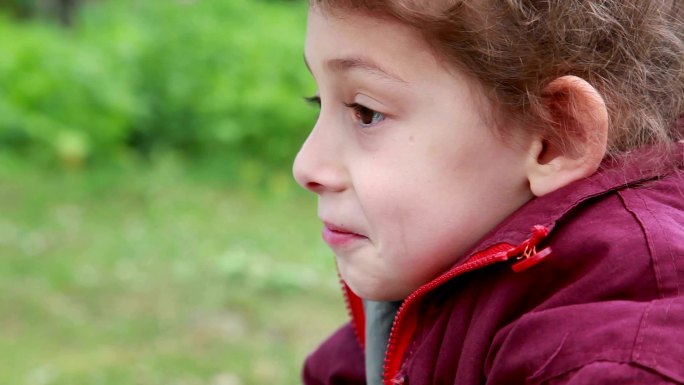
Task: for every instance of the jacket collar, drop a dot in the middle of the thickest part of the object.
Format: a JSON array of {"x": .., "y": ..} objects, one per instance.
[{"x": 547, "y": 210}]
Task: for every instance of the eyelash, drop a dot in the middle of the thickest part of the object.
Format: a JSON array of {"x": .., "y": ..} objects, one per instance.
[
  {"x": 358, "y": 109},
  {"x": 315, "y": 100}
]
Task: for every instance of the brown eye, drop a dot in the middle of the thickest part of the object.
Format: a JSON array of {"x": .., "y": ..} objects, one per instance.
[{"x": 365, "y": 116}]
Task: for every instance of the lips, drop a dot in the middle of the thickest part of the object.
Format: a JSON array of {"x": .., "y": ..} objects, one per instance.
[{"x": 336, "y": 236}]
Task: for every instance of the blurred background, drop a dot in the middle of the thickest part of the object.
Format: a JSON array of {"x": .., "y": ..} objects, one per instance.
[{"x": 150, "y": 229}]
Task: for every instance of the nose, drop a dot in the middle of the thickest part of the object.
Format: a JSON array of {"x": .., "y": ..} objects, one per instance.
[{"x": 318, "y": 166}]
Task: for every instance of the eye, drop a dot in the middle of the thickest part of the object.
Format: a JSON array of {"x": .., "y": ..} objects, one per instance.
[{"x": 365, "y": 116}]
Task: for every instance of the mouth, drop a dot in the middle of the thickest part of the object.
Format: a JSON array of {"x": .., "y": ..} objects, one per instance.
[{"x": 337, "y": 237}]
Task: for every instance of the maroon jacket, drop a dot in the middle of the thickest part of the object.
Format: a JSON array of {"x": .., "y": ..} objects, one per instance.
[{"x": 603, "y": 305}]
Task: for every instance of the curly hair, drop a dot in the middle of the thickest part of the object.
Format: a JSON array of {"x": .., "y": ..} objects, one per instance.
[{"x": 631, "y": 51}]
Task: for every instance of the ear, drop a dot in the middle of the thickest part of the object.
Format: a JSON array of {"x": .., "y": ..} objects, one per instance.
[{"x": 578, "y": 118}]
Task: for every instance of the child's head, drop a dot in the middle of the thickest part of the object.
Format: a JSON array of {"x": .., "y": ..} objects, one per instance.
[
  {"x": 439, "y": 119},
  {"x": 630, "y": 51}
]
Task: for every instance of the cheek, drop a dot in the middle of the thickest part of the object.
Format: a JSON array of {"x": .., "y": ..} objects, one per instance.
[
  {"x": 418, "y": 243},
  {"x": 409, "y": 212},
  {"x": 423, "y": 215}
]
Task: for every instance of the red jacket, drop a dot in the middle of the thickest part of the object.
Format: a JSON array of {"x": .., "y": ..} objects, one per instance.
[{"x": 603, "y": 305}]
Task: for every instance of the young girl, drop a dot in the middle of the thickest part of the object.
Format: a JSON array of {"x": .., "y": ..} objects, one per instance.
[{"x": 501, "y": 184}]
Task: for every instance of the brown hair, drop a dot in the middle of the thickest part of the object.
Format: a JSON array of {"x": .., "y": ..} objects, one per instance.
[{"x": 630, "y": 51}]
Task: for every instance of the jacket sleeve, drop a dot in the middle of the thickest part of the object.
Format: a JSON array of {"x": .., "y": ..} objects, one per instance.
[
  {"x": 338, "y": 361},
  {"x": 611, "y": 373}
]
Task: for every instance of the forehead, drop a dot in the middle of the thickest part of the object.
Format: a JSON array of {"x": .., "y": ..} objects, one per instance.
[
  {"x": 390, "y": 7},
  {"x": 343, "y": 41},
  {"x": 337, "y": 43}
]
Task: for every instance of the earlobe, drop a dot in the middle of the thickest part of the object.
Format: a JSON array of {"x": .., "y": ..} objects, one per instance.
[{"x": 576, "y": 136}]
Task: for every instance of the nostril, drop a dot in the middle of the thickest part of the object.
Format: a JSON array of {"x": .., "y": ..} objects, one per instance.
[{"x": 314, "y": 186}]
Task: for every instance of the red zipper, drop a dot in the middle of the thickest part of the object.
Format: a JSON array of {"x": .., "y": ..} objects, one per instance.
[
  {"x": 405, "y": 321},
  {"x": 356, "y": 313}
]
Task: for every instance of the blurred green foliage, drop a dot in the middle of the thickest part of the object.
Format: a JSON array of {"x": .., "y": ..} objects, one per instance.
[
  {"x": 148, "y": 275},
  {"x": 211, "y": 79},
  {"x": 151, "y": 273}
]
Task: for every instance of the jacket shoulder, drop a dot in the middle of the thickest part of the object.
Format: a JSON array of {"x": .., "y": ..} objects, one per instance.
[
  {"x": 603, "y": 372},
  {"x": 567, "y": 345},
  {"x": 658, "y": 208}
]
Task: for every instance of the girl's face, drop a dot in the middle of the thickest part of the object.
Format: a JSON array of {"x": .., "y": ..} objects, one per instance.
[{"x": 408, "y": 172}]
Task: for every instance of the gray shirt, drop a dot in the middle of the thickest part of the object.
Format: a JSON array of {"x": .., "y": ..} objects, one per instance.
[{"x": 379, "y": 319}]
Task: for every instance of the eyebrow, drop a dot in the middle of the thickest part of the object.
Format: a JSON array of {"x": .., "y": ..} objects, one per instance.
[{"x": 359, "y": 63}]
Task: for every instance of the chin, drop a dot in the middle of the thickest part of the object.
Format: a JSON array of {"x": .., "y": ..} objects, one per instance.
[{"x": 377, "y": 292}]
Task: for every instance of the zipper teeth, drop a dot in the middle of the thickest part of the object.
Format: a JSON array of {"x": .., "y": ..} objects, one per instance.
[
  {"x": 466, "y": 267},
  {"x": 347, "y": 301},
  {"x": 539, "y": 232},
  {"x": 350, "y": 311}
]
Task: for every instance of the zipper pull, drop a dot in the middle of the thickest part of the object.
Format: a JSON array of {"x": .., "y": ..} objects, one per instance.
[
  {"x": 400, "y": 379},
  {"x": 530, "y": 256}
]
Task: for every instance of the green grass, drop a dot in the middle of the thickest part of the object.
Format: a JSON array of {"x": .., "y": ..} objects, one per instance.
[{"x": 153, "y": 275}]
